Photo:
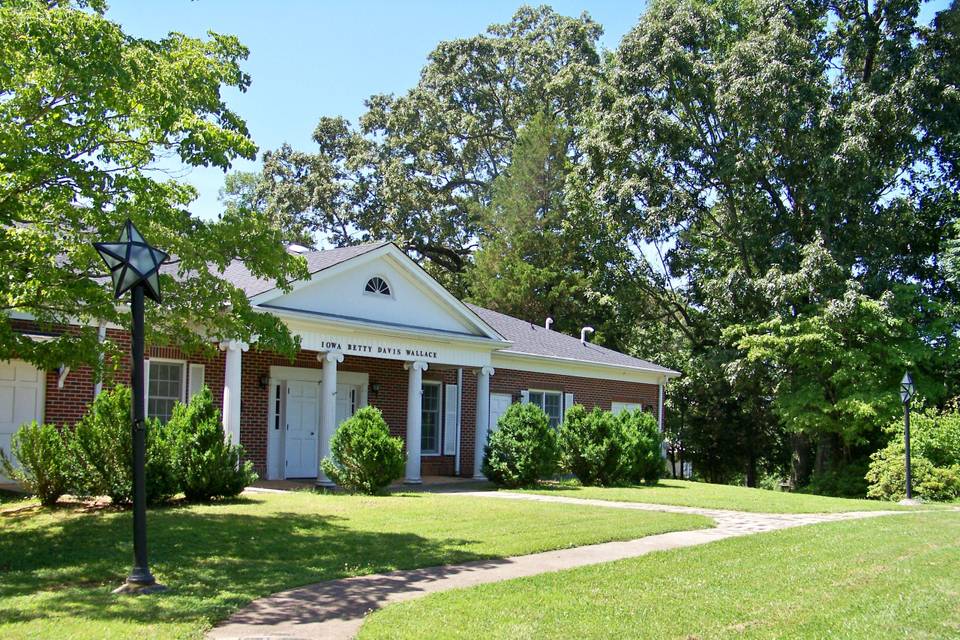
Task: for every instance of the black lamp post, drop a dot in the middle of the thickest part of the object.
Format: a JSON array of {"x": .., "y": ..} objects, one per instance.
[
  {"x": 134, "y": 267},
  {"x": 906, "y": 395}
]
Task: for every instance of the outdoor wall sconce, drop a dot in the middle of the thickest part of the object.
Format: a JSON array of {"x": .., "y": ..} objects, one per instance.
[
  {"x": 375, "y": 388},
  {"x": 264, "y": 381}
]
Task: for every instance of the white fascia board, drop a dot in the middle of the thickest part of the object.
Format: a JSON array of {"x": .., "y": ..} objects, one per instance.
[
  {"x": 578, "y": 368},
  {"x": 364, "y": 326}
]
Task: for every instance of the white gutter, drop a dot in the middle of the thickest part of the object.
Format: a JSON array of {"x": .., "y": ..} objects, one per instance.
[
  {"x": 101, "y": 336},
  {"x": 520, "y": 355}
]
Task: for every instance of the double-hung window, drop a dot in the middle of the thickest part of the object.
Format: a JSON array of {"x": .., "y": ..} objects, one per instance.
[
  {"x": 164, "y": 388},
  {"x": 430, "y": 419},
  {"x": 552, "y": 404}
]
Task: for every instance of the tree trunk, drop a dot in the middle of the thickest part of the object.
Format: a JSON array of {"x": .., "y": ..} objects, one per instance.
[
  {"x": 800, "y": 461},
  {"x": 751, "y": 468}
]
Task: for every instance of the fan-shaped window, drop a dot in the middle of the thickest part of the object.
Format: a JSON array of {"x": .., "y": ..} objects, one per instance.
[{"x": 377, "y": 285}]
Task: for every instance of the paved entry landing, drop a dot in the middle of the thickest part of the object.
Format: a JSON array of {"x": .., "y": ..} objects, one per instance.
[{"x": 335, "y": 609}]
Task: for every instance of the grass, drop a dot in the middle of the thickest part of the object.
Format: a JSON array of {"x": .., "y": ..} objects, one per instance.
[
  {"x": 721, "y": 496},
  {"x": 57, "y": 567},
  {"x": 888, "y": 577}
]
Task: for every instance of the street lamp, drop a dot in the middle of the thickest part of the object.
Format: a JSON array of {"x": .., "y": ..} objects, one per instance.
[
  {"x": 906, "y": 395},
  {"x": 134, "y": 267}
]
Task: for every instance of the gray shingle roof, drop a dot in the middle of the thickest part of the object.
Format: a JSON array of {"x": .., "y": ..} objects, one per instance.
[
  {"x": 527, "y": 338},
  {"x": 531, "y": 339},
  {"x": 237, "y": 272}
]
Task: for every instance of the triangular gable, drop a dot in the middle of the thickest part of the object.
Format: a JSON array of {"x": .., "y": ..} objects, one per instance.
[{"x": 415, "y": 299}]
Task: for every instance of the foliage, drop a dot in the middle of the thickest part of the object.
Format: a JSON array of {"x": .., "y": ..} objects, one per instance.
[
  {"x": 417, "y": 164},
  {"x": 888, "y": 477},
  {"x": 642, "y": 447},
  {"x": 365, "y": 457},
  {"x": 102, "y": 446},
  {"x": 207, "y": 464},
  {"x": 592, "y": 446},
  {"x": 934, "y": 458},
  {"x": 44, "y": 465},
  {"x": 88, "y": 115},
  {"x": 798, "y": 289},
  {"x": 523, "y": 449},
  {"x": 846, "y": 481}
]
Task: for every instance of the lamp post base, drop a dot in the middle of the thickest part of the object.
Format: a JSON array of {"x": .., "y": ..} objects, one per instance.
[
  {"x": 911, "y": 502},
  {"x": 139, "y": 588}
]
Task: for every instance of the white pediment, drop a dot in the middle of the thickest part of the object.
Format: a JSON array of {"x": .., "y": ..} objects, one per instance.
[{"x": 404, "y": 296}]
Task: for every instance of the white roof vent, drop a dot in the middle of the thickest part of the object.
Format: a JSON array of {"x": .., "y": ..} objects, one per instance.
[
  {"x": 583, "y": 334},
  {"x": 297, "y": 248},
  {"x": 548, "y": 323}
]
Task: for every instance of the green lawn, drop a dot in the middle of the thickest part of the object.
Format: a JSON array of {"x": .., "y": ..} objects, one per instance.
[
  {"x": 888, "y": 577},
  {"x": 57, "y": 568},
  {"x": 721, "y": 496}
]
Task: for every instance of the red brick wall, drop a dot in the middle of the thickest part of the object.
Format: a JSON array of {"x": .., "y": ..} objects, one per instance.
[{"x": 67, "y": 405}]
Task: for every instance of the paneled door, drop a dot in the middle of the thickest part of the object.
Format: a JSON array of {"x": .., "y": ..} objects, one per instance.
[
  {"x": 21, "y": 398},
  {"x": 303, "y": 425}
]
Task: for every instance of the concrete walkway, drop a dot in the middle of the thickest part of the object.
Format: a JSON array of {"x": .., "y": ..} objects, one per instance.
[{"x": 335, "y": 609}]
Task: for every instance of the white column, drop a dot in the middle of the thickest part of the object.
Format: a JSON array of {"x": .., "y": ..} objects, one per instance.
[
  {"x": 328, "y": 410},
  {"x": 232, "y": 382},
  {"x": 414, "y": 419},
  {"x": 660, "y": 405},
  {"x": 483, "y": 419}
]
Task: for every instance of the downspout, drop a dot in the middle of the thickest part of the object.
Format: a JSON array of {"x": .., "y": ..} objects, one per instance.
[
  {"x": 456, "y": 451},
  {"x": 663, "y": 448},
  {"x": 101, "y": 337}
]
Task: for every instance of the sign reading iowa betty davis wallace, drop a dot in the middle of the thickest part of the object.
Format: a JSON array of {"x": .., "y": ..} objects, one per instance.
[{"x": 380, "y": 350}]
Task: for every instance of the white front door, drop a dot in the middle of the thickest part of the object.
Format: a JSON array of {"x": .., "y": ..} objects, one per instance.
[
  {"x": 499, "y": 403},
  {"x": 348, "y": 401},
  {"x": 21, "y": 398},
  {"x": 303, "y": 424}
]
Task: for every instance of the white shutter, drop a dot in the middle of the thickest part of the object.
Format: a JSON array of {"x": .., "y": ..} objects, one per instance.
[
  {"x": 146, "y": 386},
  {"x": 567, "y": 402},
  {"x": 197, "y": 372},
  {"x": 525, "y": 396},
  {"x": 450, "y": 426}
]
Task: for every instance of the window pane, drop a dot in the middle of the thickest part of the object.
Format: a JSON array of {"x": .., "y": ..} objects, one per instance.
[
  {"x": 536, "y": 398},
  {"x": 430, "y": 419},
  {"x": 553, "y": 407},
  {"x": 164, "y": 389}
]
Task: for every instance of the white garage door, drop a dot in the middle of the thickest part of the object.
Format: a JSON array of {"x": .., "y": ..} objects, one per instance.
[
  {"x": 21, "y": 398},
  {"x": 499, "y": 402}
]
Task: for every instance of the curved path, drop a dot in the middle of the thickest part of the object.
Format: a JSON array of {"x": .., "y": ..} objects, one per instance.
[{"x": 335, "y": 609}]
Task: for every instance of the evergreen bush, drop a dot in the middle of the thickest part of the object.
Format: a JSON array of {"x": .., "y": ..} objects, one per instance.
[
  {"x": 102, "y": 446},
  {"x": 44, "y": 458},
  {"x": 365, "y": 458},
  {"x": 642, "y": 445},
  {"x": 207, "y": 464},
  {"x": 592, "y": 446},
  {"x": 523, "y": 449}
]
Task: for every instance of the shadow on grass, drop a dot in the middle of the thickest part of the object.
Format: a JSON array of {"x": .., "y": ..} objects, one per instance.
[
  {"x": 213, "y": 561},
  {"x": 573, "y": 485}
]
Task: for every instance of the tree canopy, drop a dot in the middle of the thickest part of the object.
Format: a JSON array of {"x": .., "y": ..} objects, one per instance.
[{"x": 92, "y": 122}]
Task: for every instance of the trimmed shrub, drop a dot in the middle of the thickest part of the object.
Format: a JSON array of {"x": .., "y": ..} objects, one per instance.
[
  {"x": 592, "y": 446},
  {"x": 642, "y": 444},
  {"x": 208, "y": 465},
  {"x": 365, "y": 458},
  {"x": 103, "y": 452},
  {"x": 523, "y": 449},
  {"x": 934, "y": 458},
  {"x": 44, "y": 456},
  {"x": 888, "y": 476}
]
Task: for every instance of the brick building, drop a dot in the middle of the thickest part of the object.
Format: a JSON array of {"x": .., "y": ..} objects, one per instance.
[{"x": 375, "y": 329}]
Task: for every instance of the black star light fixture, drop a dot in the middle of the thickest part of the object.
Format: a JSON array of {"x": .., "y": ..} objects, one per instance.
[
  {"x": 132, "y": 261},
  {"x": 134, "y": 266}
]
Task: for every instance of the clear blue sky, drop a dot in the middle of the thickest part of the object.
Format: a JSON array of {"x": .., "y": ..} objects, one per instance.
[{"x": 325, "y": 57}]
